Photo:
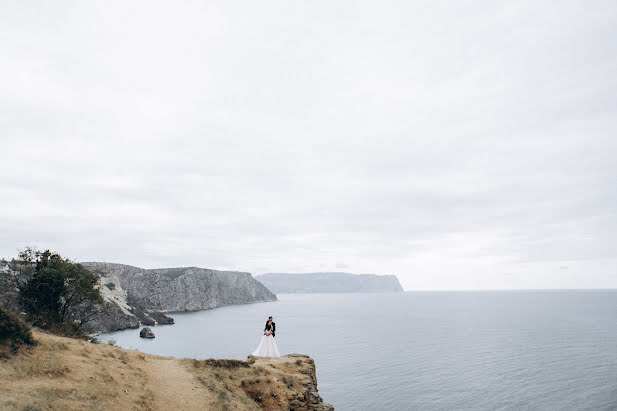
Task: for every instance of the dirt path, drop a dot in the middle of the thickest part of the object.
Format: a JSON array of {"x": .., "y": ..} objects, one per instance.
[
  {"x": 65, "y": 374},
  {"x": 174, "y": 387}
]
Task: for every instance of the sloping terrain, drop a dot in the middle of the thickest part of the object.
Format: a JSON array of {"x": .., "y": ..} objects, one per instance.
[{"x": 62, "y": 373}]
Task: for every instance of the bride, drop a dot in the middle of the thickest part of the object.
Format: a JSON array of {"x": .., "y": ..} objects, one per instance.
[{"x": 267, "y": 345}]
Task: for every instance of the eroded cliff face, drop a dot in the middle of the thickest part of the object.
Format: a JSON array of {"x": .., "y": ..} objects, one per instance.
[
  {"x": 284, "y": 383},
  {"x": 135, "y": 295},
  {"x": 297, "y": 372},
  {"x": 192, "y": 289}
]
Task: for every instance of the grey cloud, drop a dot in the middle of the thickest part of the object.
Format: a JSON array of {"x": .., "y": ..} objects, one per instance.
[{"x": 442, "y": 142}]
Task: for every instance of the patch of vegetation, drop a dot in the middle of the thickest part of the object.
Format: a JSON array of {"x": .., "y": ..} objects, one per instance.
[
  {"x": 124, "y": 358},
  {"x": 224, "y": 363},
  {"x": 289, "y": 381},
  {"x": 222, "y": 402},
  {"x": 56, "y": 293},
  {"x": 146, "y": 399},
  {"x": 35, "y": 366},
  {"x": 171, "y": 273},
  {"x": 57, "y": 346},
  {"x": 14, "y": 331}
]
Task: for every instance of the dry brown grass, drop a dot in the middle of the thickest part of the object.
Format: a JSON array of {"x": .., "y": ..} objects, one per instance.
[
  {"x": 62, "y": 373},
  {"x": 271, "y": 384},
  {"x": 28, "y": 367}
]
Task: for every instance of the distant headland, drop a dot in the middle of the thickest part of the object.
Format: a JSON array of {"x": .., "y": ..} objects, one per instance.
[{"x": 329, "y": 283}]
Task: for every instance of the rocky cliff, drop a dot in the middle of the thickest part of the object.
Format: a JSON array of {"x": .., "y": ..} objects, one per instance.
[
  {"x": 67, "y": 374},
  {"x": 330, "y": 283},
  {"x": 135, "y": 295},
  {"x": 297, "y": 373}
]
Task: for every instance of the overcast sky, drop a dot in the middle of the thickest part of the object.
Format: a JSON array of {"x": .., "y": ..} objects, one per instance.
[{"x": 458, "y": 145}]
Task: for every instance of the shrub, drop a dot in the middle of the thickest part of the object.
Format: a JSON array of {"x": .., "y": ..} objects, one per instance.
[
  {"x": 289, "y": 381},
  {"x": 224, "y": 363},
  {"x": 13, "y": 330},
  {"x": 56, "y": 293}
]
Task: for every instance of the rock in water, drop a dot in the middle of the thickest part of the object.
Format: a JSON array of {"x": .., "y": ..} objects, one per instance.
[{"x": 146, "y": 332}]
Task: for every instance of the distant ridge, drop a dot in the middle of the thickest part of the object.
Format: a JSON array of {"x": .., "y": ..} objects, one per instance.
[{"x": 329, "y": 283}]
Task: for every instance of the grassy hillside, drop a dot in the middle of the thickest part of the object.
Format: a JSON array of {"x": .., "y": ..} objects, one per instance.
[{"x": 64, "y": 373}]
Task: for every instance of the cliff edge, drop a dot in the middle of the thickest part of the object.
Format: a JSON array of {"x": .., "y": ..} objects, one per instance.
[{"x": 65, "y": 373}]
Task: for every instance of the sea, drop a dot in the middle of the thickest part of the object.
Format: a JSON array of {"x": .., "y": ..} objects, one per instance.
[{"x": 485, "y": 350}]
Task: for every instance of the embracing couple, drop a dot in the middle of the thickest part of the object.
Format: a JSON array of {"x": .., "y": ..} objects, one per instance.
[{"x": 267, "y": 346}]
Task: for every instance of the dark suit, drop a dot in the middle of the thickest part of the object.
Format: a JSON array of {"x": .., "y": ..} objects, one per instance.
[{"x": 271, "y": 328}]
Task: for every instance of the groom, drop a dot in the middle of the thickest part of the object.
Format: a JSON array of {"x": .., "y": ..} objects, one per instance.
[{"x": 273, "y": 325}]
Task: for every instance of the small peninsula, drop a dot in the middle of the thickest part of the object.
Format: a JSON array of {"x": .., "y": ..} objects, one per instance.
[
  {"x": 329, "y": 283},
  {"x": 62, "y": 373}
]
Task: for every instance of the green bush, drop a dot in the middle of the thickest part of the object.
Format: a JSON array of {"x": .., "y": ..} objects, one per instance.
[
  {"x": 216, "y": 363},
  {"x": 56, "y": 293},
  {"x": 13, "y": 330}
]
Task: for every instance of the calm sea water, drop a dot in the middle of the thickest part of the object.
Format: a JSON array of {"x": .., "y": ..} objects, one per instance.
[{"x": 546, "y": 350}]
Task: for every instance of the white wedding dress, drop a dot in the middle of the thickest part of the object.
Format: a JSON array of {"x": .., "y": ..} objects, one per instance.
[{"x": 267, "y": 346}]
